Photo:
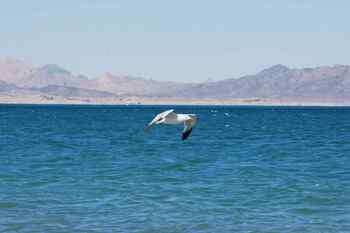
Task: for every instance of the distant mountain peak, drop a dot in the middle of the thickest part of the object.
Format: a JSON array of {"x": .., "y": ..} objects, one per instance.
[
  {"x": 9, "y": 60},
  {"x": 111, "y": 76},
  {"x": 279, "y": 68},
  {"x": 53, "y": 69}
]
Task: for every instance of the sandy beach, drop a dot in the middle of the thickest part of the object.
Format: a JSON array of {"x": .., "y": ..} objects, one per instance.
[{"x": 41, "y": 99}]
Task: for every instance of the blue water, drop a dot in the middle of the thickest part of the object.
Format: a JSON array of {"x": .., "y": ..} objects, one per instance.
[{"x": 243, "y": 169}]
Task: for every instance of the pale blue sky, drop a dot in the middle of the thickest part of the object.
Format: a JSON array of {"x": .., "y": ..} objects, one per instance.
[{"x": 179, "y": 40}]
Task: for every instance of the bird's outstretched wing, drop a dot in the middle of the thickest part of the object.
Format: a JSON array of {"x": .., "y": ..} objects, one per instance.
[
  {"x": 159, "y": 117},
  {"x": 189, "y": 126},
  {"x": 166, "y": 113}
]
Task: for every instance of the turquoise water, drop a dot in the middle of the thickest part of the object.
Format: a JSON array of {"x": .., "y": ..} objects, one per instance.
[{"x": 243, "y": 169}]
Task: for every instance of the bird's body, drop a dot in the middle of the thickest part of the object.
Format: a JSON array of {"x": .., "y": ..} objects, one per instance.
[{"x": 170, "y": 117}]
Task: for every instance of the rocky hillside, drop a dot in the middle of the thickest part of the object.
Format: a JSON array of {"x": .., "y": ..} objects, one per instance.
[
  {"x": 281, "y": 82},
  {"x": 328, "y": 82},
  {"x": 13, "y": 71},
  {"x": 134, "y": 86},
  {"x": 37, "y": 78},
  {"x": 6, "y": 87}
]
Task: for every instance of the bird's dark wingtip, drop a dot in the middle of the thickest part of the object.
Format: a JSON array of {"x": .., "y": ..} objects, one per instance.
[{"x": 186, "y": 134}]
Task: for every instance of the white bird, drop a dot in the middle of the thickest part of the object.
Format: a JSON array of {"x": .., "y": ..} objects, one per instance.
[{"x": 170, "y": 117}]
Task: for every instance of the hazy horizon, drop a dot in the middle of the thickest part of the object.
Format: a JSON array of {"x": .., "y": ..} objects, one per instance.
[{"x": 183, "y": 41}]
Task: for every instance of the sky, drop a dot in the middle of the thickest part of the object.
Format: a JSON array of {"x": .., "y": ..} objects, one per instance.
[{"x": 183, "y": 40}]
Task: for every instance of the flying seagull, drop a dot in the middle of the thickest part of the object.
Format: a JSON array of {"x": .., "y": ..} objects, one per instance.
[{"x": 170, "y": 117}]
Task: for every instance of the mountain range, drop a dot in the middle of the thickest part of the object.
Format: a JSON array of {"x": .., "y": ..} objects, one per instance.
[{"x": 279, "y": 81}]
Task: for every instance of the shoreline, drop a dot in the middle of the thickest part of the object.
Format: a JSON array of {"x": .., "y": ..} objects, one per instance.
[{"x": 58, "y": 100}]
